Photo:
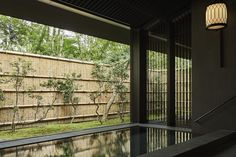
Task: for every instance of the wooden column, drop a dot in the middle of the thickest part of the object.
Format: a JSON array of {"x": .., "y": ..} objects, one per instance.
[
  {"x": 138, "y": 52},
  {"x": 171, "y": 76}
]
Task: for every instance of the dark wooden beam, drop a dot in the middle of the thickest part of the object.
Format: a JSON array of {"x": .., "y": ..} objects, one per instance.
[
  {"x": 171, "y": 76},
  {"x": 138, "y": 75},
  {"x": 39, "y": 12}
]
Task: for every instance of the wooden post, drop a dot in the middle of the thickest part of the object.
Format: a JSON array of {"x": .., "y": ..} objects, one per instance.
[
  {"x": 171, "y": 76},
  {"x": 138, "y": 76}
]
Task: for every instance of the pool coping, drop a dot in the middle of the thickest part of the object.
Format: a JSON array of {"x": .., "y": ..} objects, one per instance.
[
  {"x": 60, "y": 136},
  {"x": 182, "y": 149}
]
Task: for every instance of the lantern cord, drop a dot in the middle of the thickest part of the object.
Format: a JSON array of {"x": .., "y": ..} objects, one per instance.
[{"x": 221, "y": 48}]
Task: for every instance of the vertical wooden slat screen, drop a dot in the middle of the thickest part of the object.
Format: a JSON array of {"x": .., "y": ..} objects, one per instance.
[
  {"x": 158, "y": 138},
  {"x": 157, "y": 72},
  {"x": 181, "y": 137},
  {"x": 183, "y": 64},
  {"x": 156, "y": 80}
]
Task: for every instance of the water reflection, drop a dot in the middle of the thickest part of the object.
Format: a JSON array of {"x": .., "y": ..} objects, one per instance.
[{"x": 120, "y": 143}]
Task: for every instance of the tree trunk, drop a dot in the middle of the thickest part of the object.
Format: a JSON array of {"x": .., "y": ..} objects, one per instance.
[
  {"x": 121, "y": 111},
  {"x": 109, "y": 104},
  {"x": 13, "y": 125},
  {"x": 74, "y": 114},
  {"x": 15, "y": 110},
  {"x": 40, "y": 41}
]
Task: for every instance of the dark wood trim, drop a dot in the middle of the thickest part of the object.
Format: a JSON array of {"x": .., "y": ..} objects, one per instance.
[
  {"x": 171, "y": 76},
  {"x": 33, "y": 10},
  {"x": 138, "y": 75}
]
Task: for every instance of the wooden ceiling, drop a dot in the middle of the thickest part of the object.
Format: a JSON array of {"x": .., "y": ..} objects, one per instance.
[{"x": 134, "y": 13}]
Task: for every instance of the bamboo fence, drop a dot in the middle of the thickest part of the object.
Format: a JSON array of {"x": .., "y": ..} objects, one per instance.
[{"x": 47, "y": 67}]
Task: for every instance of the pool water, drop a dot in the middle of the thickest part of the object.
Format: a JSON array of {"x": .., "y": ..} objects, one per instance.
[{"x": 128, "y": 142}]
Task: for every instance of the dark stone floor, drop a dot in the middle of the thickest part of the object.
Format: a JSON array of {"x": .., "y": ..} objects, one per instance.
[{"x": 229, "y": 151}]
